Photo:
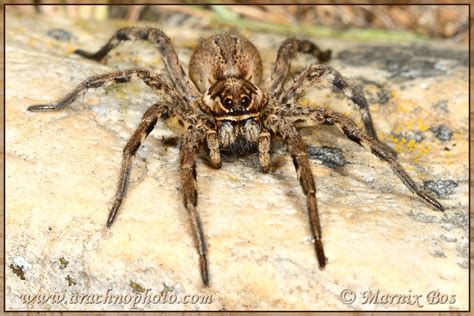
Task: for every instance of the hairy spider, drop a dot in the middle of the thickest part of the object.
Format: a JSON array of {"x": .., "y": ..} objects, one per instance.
[{"x": 225, "y": 105}]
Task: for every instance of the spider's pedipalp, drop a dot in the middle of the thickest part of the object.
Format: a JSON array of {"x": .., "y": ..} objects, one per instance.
[
  {"x": 192, "y": 142},
  {"x": 164, "y": 45},
  {"x": 287, "y": 51},
  {"x": 149, "y": 78},
  {"x": 281, "y": 127},
  {"x": 351, "y": 131},
  {"x": 212, "y": 140}
]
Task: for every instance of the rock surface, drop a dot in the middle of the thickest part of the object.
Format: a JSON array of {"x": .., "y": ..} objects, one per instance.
[{"x": 62, "y": 168}]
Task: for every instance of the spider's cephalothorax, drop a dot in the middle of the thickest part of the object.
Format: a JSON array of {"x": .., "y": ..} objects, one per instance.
[
  {"x": 226, "y": 107},
  {"x": 236, "y": 105},
  {"x": 229, "y": 69}
]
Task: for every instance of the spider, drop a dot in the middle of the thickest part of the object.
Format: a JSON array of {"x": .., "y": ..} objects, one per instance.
[{"x": 225, "y": 105}]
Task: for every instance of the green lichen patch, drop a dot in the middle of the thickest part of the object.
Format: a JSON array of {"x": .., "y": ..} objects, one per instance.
[
  {"x": 18, "y": 271},
  {"x": 137, "y": 288},
  {"x": 63, "y": 263},
  {"x": 70, "y": 280}
]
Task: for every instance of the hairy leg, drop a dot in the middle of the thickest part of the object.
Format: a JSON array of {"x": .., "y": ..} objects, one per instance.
[
  {"x": 287, "y": 51},
  {"x": 151, "y": 79},
  {"x": 350, "y": 129},
  {"x": 281, "y": 127},
  {"x": 190, "y": 146},
  {"x": 146, "y": 126},
  {"x": 315, "y": 73},
  {"x": 164, "y": 45}
]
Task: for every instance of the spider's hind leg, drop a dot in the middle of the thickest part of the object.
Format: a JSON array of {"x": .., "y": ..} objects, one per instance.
[
  {"x": 164, "y": 45},
  {"x": 287, "y": 51}
]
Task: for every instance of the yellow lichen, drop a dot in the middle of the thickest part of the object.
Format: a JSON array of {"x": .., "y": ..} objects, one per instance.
[
  {"x": 405, "y": 145},
  {"x": 404, "y": 106}
]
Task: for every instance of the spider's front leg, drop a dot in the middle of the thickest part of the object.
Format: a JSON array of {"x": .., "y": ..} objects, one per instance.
[
  {"x": 150, "y": 78},
  {"x": 287, "y": 52},
  {"x": 350, "y": 129},
  {"x": 164, "y": 45},
  {"x": 315, "y": 73},
  {"x": 191, "y": 144},
  {"x": 190, "y": 147},
  {"x": 281, "y": 127}
]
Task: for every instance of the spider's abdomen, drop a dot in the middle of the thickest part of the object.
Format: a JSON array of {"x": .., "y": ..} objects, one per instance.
[
  {"x": 225, "y": 56},
  {"x": 239, "y": 137}
]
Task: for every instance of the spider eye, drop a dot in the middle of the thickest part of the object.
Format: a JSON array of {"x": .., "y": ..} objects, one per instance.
[
  {"x": 245, "y": 101},
  {"x": 228, "y": 102}
]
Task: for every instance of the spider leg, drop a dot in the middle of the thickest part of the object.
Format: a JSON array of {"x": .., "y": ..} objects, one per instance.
[
  {"x": 146, "y": 126},
  {"x": 150, "y": 78},
  {"x": 190, "y": 146},
  {"x": 192, "y": 142},
  {"x": 264, "y": 150},
  {"x": 164, "y": 45},
  {"x": 350, "y": 129},
  {"x": 281, "y": 127},
  {"x": 313, "y": 74},
  {"x": 287, "y": 51}
]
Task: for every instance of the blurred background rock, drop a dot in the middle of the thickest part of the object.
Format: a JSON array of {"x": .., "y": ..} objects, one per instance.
[{"x": 366, "y": 21}]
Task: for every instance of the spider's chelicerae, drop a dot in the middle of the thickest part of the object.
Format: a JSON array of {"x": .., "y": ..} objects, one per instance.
[{"x": 225, "y": 106}]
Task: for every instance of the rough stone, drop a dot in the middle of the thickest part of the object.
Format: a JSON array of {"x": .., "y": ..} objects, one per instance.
[
  {"x": 406, "y": 62},
  {"x": 441, "y": 187},
  {"x": 62, "y": 169},
  {"x": 442, "y": 132},
  {"x": 60, "y": 35},
  {"x": 329, "y": 157}
]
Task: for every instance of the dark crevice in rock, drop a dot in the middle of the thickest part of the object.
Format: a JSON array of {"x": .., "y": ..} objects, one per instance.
[
  {"x": 329, "y": 156},
  {"x": 60, "y": 35},
  {"x": 442, "y": 132}
]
